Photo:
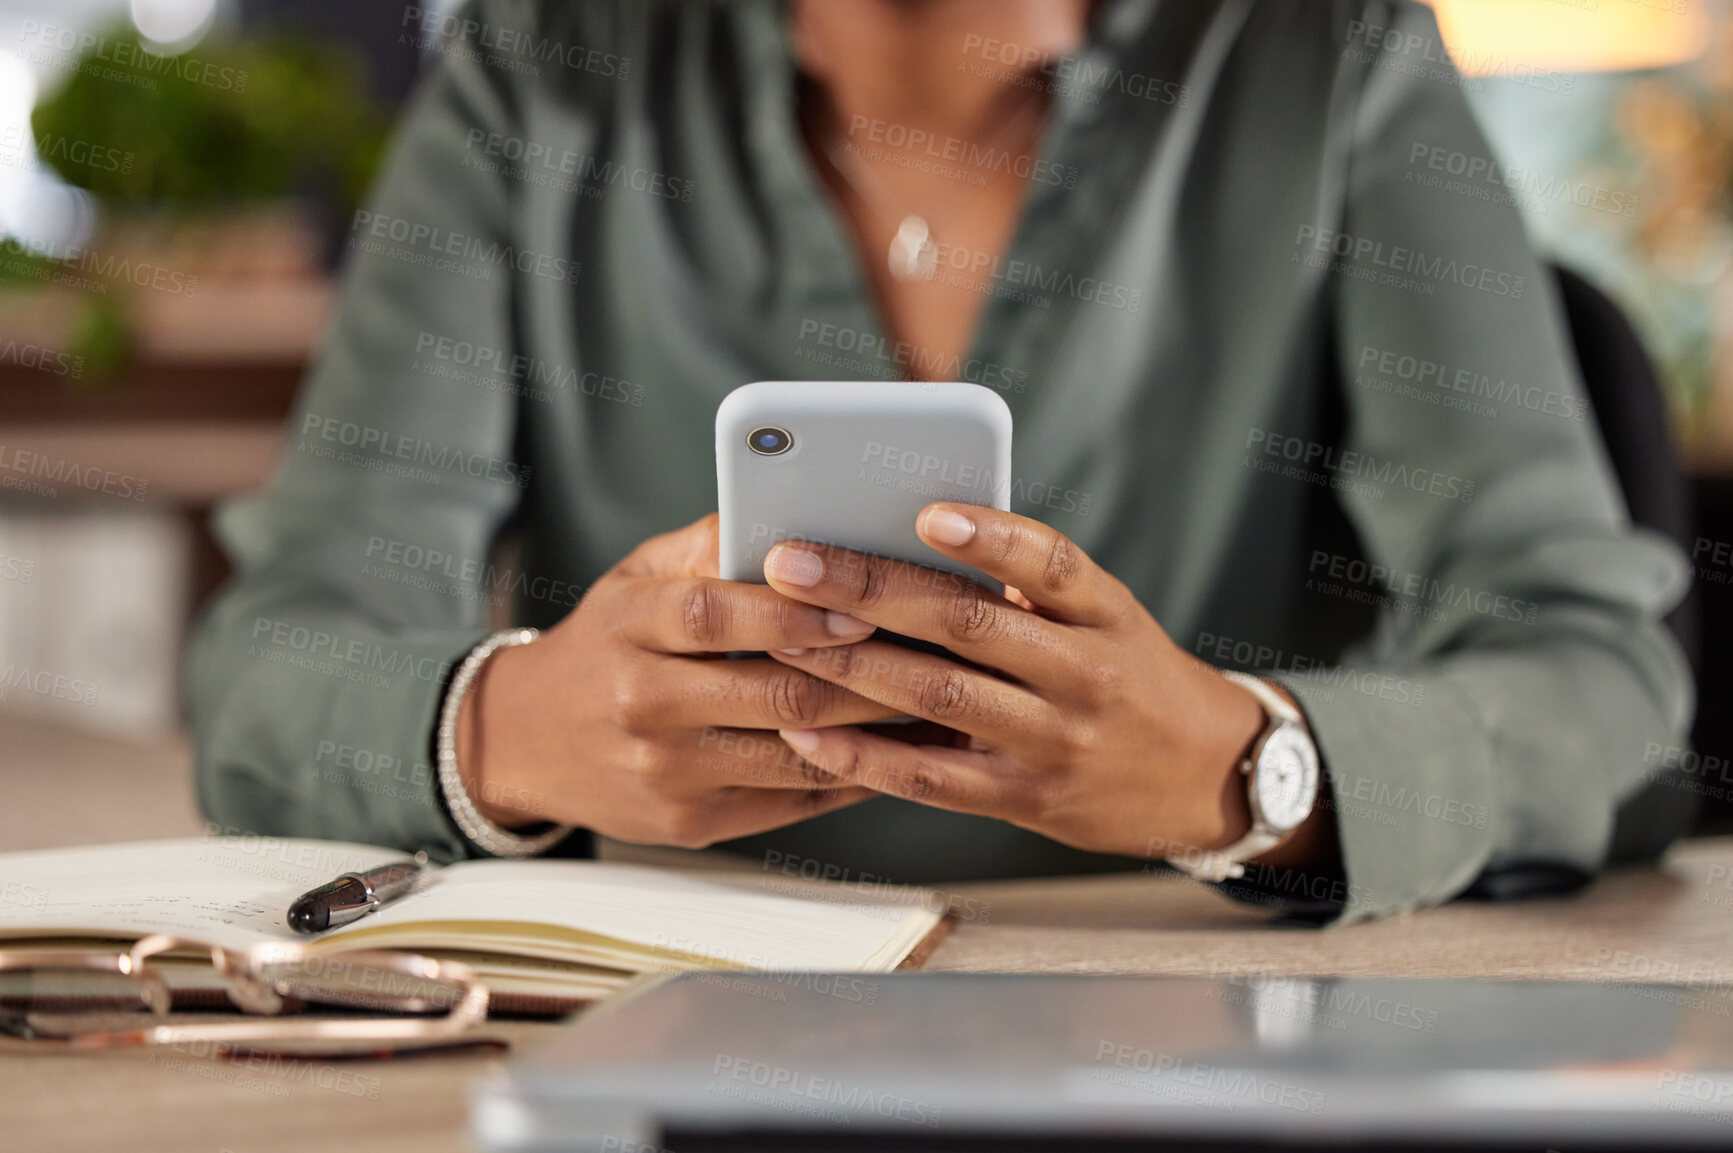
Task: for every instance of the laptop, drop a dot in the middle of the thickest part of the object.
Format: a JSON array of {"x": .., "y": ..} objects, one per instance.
[{"x": 937, "y": 1061}]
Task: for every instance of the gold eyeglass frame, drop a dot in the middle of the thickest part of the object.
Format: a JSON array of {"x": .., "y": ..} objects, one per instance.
[{"x": 251, "y": 988}]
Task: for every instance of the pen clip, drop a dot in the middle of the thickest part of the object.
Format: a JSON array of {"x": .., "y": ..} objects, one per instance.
[{"x": 367, "y": 893}]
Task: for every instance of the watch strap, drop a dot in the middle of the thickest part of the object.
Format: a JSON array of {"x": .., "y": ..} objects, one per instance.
[
  {"x": 1226, "y": 864},
  {"x": 1274, "y": 703}
]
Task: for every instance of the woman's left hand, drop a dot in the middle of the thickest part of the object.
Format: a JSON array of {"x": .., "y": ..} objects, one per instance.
[{"x": 1083, "y": 720}]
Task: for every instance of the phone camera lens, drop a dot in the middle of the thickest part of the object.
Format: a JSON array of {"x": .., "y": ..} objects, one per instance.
[{"x": 769, "y": 441}]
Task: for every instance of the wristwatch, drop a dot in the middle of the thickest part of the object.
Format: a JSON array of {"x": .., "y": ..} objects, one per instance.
[{"x": 1281, "y": 782}]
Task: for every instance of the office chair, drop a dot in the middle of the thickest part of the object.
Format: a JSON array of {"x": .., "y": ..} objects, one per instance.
[{"x": 1624, "y": 391}]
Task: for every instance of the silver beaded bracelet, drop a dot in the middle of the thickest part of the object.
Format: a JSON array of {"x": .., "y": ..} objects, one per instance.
[{"x": 481, "y": 831}]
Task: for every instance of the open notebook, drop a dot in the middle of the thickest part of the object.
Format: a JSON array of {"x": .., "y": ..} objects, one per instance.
[{"x": 537, "y": 932}]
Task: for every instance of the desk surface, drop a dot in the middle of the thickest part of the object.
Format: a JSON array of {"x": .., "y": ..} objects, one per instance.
[{"x": 1668, "y": 924}]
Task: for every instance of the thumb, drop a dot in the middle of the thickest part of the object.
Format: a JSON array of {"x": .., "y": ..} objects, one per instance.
[{"x": 685, "y": 552}]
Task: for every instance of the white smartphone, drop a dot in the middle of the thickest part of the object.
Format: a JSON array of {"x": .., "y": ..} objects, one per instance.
[{"x": 852, "y": 463}]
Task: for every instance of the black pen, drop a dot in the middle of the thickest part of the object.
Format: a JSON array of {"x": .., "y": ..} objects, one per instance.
[{"x": 354, "y": 895}]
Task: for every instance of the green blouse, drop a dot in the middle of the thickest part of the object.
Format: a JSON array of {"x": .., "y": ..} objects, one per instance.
[{"x": 1305, "y": 391}]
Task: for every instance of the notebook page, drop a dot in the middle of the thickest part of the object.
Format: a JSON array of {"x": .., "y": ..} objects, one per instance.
[
  {"x": 229, "y": 891},
  {"x": 659, "y": 909}
]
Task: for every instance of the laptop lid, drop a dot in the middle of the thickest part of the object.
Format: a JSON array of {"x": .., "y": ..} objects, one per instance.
[{"x": 947, "y": 1061}]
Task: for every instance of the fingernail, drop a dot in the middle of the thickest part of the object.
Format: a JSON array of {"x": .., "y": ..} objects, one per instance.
[
  {"x": 800, "y": 740},
  {"x": 794, "y": 566},
  {"x": 947, "y": 527},
  {"x": 843, "y": 625},
  {"x": 792, "y": 652}
]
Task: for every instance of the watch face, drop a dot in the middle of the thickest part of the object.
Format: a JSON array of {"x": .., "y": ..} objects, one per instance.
[{"x": 1287, "y": 777}]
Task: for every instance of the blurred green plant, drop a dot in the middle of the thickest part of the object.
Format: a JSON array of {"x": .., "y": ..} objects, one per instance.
[
  {"x": 103, "y": 337},
  {"x": 256, "y": 121}
]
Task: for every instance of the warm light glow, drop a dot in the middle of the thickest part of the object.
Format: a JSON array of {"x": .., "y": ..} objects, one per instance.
[
  {"x": 17, "y": 101},
  {"x": 17, "y": 96},
  {"x": 1522, "y": 37},
  {"x": 174, "y": 25},
  {"x": 39, "y": 212}
]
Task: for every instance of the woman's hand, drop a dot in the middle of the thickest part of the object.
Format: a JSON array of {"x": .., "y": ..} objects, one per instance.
[
  {"x": 1083, "y": 720},
  {"x": 624, "y": 719}
]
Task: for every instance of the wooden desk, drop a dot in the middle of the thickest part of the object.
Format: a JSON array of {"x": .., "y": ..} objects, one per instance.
[{"x": 57, "y": 788}]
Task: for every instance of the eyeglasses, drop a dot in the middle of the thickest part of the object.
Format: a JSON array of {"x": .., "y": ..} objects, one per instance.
[{"x": 90, "y": 998}]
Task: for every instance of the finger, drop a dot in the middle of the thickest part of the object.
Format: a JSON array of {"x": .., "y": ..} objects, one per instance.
[
  {"x": 929, "y": 687},
  {"x": 746, "y": 694},
  {"x": 961, "y": 780},
  {"x": 685, "y": 552},
  {"x": 708, "y": 615},
  {"x": 752, "y": 758},
  {"x": 1041, "y": 562},
  {"x": 743, "y": 812},
  {"x": 915, "y": 601},
  {"x": 721, "y": 814}
]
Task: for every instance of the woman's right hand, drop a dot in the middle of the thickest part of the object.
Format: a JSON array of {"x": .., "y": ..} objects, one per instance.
[{"x": 626, "y": 719}]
